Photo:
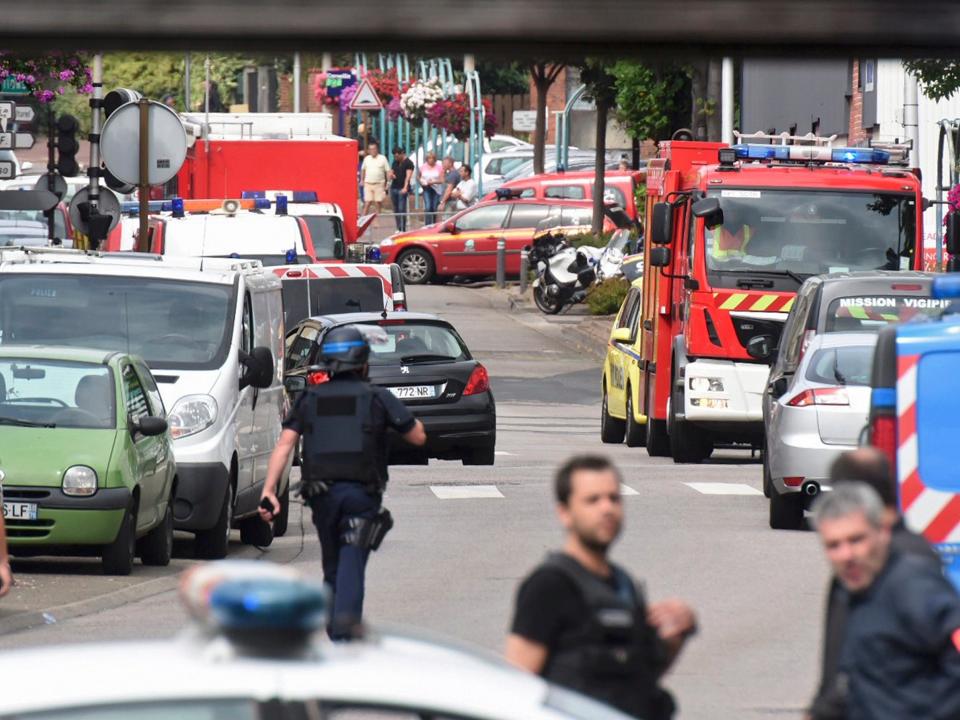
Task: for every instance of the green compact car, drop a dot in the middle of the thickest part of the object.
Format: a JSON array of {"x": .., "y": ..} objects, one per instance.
[{"x": 86, "y": 461}]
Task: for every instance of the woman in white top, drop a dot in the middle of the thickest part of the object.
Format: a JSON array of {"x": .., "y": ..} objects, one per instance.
[{"x": 431, "y": 180}]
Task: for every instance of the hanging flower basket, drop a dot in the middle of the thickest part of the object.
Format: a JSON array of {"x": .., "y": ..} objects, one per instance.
[
  {"x": 47, "y": 76},
  {"x": 385, "y": 83},
  {"x": 453, "y": 116},
  {"x": 417, "y": 100}
]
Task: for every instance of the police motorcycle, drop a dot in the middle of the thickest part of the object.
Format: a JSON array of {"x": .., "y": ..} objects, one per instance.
[{"x": 566, "y": 273}]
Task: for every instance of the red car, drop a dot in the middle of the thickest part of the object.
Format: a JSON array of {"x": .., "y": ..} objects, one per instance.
[
  {"x": 466, "y": 244},
  {"x": 620, "y": 187}
]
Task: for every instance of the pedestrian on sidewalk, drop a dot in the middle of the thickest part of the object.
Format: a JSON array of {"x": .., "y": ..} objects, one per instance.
[
  {"x": 580, "y": 621},
  {"x": 900, "y": 654},
  {"x": 451, "y": 178},
  {"x": 373, "y": 176},
  {"x": 431, "y": 179},
  {"x": 401, "y": 172},
  {"x": 466, "y": 191}
]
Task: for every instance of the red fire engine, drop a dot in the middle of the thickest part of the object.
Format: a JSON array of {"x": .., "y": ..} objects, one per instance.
[{"x": 734, "y": 231}]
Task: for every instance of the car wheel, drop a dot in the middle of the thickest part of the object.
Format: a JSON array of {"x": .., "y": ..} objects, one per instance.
[
  {"x": 480, "y": 456},
  {"x": 786, "y": 511},
  {"x": 636, "y": 434},
  {"x": 281, "y": 520},
  {"x": 611, "y": 428},
  {"x": 688, "y": 444},
  {"x": 212, "y": 543},
  {"x": 658, "y": 442},
  {"x": 767, "y": 481},
  {"x": 545, "y": 304},
  {"x": 156, "y": 548},
  {"x": 119, "y": 555},
  {"x": 416, "y": 266}
]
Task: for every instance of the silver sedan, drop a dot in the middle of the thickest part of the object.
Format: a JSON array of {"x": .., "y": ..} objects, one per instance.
[{"x": 816, "y": 415}]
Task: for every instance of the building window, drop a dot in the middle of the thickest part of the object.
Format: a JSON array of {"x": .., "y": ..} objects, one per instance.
[{"x": 869, "y": 74}]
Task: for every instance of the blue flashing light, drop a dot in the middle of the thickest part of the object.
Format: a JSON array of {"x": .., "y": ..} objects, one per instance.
[
  {"x": 304, "y": 196},
  {"x": 882, "y": 397},
  {"x": 269, "y": 604},
  {"x": 762, "y": 152},
  {"x": 176, "y": 206},
  {"x": 339, "y": 347},
  {"x": 861, "y": 155},
  {"x": 946, "y": 286},
  {"x": 291, "y": 256},
  {"x": 373, "y": 254},
  {"x": 235, "y": 256},
  {"x": 133, "y": 207},
  {"x": 281, "y": 205},
  {"x": 261, "y": 204},
  {"x": 253, "y": 194}
]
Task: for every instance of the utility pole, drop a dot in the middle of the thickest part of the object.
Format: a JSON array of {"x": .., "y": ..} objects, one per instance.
[
  {"x": 726, "y": 100},
  {"x": 96, "y": 106},
  {"x": 911, "y": 123},
  {"x": 187, "y": 63},
  {"x": 296, "y": 82}
]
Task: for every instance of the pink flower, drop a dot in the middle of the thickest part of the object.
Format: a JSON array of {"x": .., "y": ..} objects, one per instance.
[
  {"x": 87, "y": 89},
  {"x": 45, "y": 96},
  {"x": 66, "y": 74}
]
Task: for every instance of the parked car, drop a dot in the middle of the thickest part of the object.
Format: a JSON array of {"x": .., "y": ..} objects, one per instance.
[
  {"x": 620, "y": 416},
  {"x": 815, "y": 415},
  {"x": 423, "y": 361},
  {"x": 87, "y": 456},
  {"x": 620, "y": 187},
  {"x": 466, "y": 244}
]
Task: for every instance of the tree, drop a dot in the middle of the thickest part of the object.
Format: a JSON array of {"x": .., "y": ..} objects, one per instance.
[
  {"x": 497, "y": 78},
  {"x": 651, "y": 99},
  {"x": 940, "y": 78},
  {"x": 601, "y": 88},
  {"x": 544, "y": 73}
]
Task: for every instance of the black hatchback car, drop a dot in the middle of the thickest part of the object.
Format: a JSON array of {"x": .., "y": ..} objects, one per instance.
[{"x": 424, "y": 362}]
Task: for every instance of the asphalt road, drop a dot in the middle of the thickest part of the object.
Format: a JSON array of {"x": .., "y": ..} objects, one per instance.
[{"x": 465, "y": 536}]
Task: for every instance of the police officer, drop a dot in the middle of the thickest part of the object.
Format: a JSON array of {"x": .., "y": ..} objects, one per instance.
[
  {"x": 344, "y": 423},
  {"x": 900, "y": 654},
  {"x": 580, "y": 621}
]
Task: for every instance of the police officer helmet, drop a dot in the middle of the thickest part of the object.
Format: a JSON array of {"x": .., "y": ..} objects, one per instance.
[{"x": 344, "y": 349}]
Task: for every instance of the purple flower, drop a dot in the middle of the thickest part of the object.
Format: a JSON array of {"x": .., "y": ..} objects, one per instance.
[
  {"x": 30, "y": 79},
  {"x": 20, "y": 77},
  {"x": 45, "y": 96},
  {"x": 66, "y": 74},
  {"x": 60, "y": 90},
  {"x": 4, "y": 73},
  {"x": 87, "y": 89},
  {"x": 73, "y": 62}
]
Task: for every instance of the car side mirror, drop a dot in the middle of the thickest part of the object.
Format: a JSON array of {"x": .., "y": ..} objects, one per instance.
[
  {"x": 258, "y": 368},
  {"x": 659, "y": 257},
  {"x": 662, "y": 215},
  {"x": 778, "y": 387},
  {"x": 295, "y": 383},
  {"x": 450, "y": 227},
  {"x": 338, "y": 249},
  {"x": 622, "y": 335},
  {"x": 761, "y": 347},
  {"x": 151, "y": 425},
  {"x": 709, "y": 210}
]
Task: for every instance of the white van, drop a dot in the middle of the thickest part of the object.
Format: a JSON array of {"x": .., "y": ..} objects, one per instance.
[{"x": 214, "y": 341}]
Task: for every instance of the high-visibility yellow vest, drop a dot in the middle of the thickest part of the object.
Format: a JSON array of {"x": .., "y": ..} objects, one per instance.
[{"x": 726, "y": 244}]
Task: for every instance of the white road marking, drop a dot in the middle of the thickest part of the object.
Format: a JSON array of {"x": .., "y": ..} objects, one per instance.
[
  {"x": 627, "y": 490},
  {"x": 722, "y": 488},
  {"x": 503, "y": 452},
  {"x": 465, "y": 492}
]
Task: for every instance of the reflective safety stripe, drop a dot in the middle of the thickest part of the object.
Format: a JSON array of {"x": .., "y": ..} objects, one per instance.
[
  {"x": 764, "y": 302},
  {"x": 733, "y": 302}
]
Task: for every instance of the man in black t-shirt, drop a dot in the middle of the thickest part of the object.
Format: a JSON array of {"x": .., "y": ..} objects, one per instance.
[
  {"x": 580, "y": 621},
  {"x": 400, "y": 174}
]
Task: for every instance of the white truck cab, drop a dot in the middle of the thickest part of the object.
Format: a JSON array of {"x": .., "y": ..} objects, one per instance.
[{"x": 213, "y": 337}]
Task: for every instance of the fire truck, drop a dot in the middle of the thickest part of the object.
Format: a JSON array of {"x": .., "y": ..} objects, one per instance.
[{"x": 733, "y": 233}]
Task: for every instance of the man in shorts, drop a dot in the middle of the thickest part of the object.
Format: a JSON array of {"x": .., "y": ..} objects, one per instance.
[{"x": 374, "y": 173}]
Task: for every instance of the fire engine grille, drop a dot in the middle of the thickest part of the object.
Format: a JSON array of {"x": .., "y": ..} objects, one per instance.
[{"x": 748, "y": 328}]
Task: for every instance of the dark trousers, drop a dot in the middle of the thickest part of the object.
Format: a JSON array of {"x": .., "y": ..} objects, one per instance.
[
  {"x": 343, "y": 565},
  {"x": 399, "y": 201},
  {"x": 431, "y": 200}
]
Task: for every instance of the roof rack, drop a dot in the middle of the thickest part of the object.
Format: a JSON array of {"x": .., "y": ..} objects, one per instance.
[
  {"x": 899, "y": 151},
  {"x": 786, "y": 138}
]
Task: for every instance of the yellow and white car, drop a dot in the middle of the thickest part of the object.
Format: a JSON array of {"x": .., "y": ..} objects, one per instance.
[{"x": 621, "y": 419}]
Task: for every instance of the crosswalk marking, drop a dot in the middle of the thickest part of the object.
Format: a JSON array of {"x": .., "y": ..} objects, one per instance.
[
  {"x": 465, "y": 492},
  {"x": 722, "y": 488}
]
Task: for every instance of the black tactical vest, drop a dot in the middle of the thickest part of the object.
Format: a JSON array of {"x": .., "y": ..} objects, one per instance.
[
  {"x": 340, "y": 442},
  {"x": 615, "y": 655}
]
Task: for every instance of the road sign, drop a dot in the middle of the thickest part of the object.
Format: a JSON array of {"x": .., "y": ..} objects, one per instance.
[
  {"x": 106, "y": 201},
  {"x": 59, "y": 184},
  {"x": 11, "y": 86},
  {"x": 120, "y": 143},
  {"x": 24, "y": 114},
  {"x": 366, "y": 98},
  {"x": 8, "y": 170},
  {"x": 16, "y": 141},
  {"x": 27, "y": 200},
  {"x": 7, "y": 109},
  {"x": 524, "y": 120}
]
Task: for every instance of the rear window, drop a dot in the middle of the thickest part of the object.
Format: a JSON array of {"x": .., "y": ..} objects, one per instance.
[
  {"x": 411, "y": 343},
  {"x": 565, "y": 192},
  {"x": 848, "y": 365},
  {"x": 868, "y": 313},
  {"x": 303, "y": 298}
]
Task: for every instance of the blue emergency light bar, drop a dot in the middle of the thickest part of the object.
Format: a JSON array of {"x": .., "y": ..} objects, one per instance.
[
  {"x": 178, "y": 206},
  {"x": 946, "y": 286},
  {"x": 269, "y": 604},
  {"x": 811, "y": 153},
  {"x": 296, "y": 196}
]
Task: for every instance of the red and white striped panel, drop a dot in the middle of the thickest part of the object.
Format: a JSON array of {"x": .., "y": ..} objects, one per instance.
[
  {"x": 319, "y": 270},
  {"x": 933, "y": 513}
]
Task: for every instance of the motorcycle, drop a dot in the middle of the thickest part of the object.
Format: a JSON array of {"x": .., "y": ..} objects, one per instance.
[{"x": 565, "y": 273}]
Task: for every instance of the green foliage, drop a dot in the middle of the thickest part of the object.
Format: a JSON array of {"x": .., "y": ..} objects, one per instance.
[
  {"x": 940, "y": 78},
  {"x": 607, "y": 297},
  {"x": 600, "y": 82},
  {"x": 590, "y": 239},
  {"x": 648, "y": 97},
  {"x": 497, "y": 78}
]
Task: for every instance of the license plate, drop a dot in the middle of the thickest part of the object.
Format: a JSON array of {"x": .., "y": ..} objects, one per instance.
[
  {"x": 414, "y": 392},
  {"x": 19, "y": 511}
]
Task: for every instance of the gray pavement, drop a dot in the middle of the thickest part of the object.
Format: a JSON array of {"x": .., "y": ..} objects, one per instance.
[{"x": 465, "y": 536}]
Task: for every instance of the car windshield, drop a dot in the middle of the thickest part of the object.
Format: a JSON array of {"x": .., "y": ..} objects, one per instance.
[
  {"x": 412, "y": 342},
  {"x": 868, "y": 313},
  {"x": 46, "y": 393},
  {"x": 325, "y": 230},
  {"x": 809, "y": 233},
  {"x": 306, "y": 297},
  {"x": 10, "y": 219},
  {"x": 171, "y": 324},
  {"x": 848, "y": 365}
]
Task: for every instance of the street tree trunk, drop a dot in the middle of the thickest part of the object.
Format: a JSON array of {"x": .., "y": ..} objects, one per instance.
[
  {"x": 544, "y": 74},
  {"x": 599, "y": 168},
  {"x": 714, "y": 116}
]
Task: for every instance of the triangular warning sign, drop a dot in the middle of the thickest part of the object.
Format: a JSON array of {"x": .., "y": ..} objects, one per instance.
[{"x": 366, "y": 98}]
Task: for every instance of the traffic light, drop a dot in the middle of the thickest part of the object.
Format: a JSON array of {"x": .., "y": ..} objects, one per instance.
[
  {"x": 67, "y": 146},
  {"x": 111, "y": 102}
]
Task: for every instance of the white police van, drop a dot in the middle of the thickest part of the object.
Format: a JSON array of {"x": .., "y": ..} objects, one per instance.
[
  {"x": 255, "y": 653},
  {"x": 211, "y": 331}
]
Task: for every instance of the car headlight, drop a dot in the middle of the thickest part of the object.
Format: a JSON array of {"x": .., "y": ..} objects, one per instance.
[
  {"x": 706, "y": 384},
  {"x": 80, "y": 481},
  {"x": 191, "y": 414},
  {"x": 386, "y": 242}
]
